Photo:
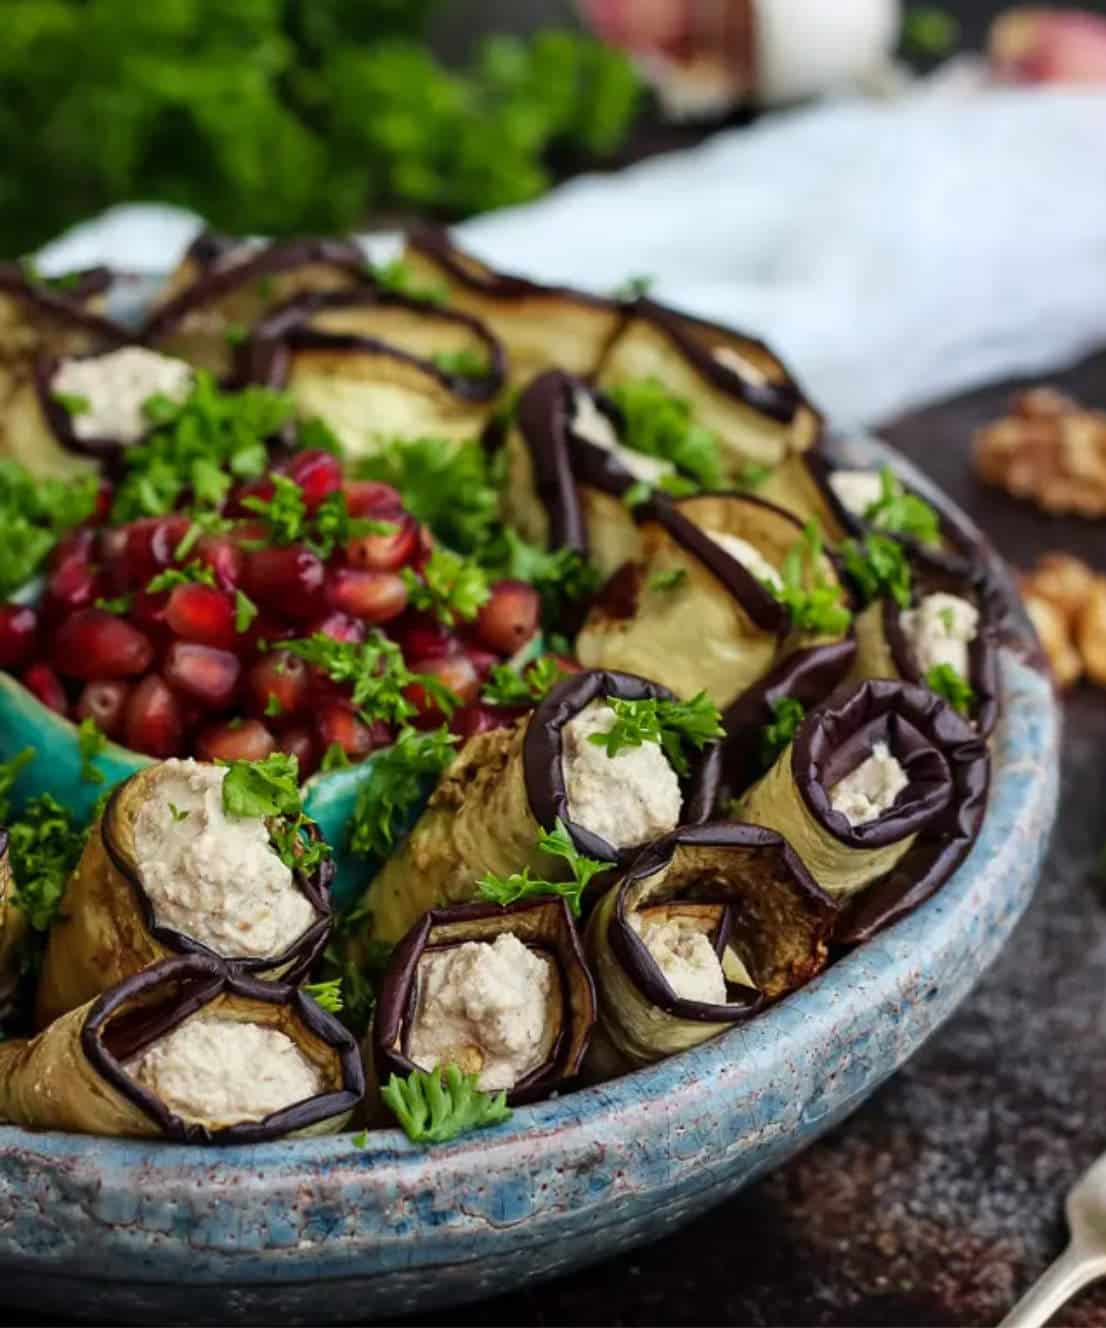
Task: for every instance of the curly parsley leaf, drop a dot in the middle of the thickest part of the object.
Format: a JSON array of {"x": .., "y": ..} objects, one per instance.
[
  {"x": 44, "y": 845},
  {"x": 72, "y": 402},
  {"x": 957, "y": 691},
  {"x": 328, "y": 994},
  {"x": 669, "y": 580},
  {"x": 504, "y": 890},
  {"x": 507, "y": 687},
  {"x": 463, "y": 363},
  {"x": 674, "y": 725},
  {"x": 878, "y": 566},
  {"x": 334, "y": 758},
  {"x": 814, "y": 603},
  {"x": 776, "y": 736},
  {"x": 434, "y": 1106},
  {"x": 91, "y": 743},
  {"x": 34, "y": 514},
  {"x": 396, "y": 784},
  {"x": 450, "y": 587},
  {"x": 193, "y": 573},
  {"x": 285, "y": 513},
  {"x": 398, "y": 278},
  {"x": 661, "y": 425},
  {"x": 262, "y": 788},
  {"x": 903, "y": 513}
]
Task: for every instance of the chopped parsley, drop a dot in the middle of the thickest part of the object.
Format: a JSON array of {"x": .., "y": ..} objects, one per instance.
[
  {"x": 957, "y": 691},
  {"x": 34, "y": 514},
  {"x": 193, "y": 573},
  {"x": 464, "y": 363},
  {"x": 776, "y": 736},
  {"x": 660, "y": 424},
  {"x": 674, "y": 725},
  {"x": 328, "y": 994},
  {"x": 330, "y": 525},
  {"x": 44, "y": 845},
  {"x": 505, "y": 890},
  {"x": 637, "y": 494},
  {"x": 434, "y": 1106},
  {"x": 176, "y": 813},
  {"x": 903, "y": 513},
  {"x": 669, "y": 580},
  {"x": 878, "y": 566},
  {"x": 121, "y": 605},
  {"x": 396, "y": 784},
  {"x": 334, "y": 758},
  {"x": 273, "y": 707},
  {"x": 72, "y": 403},
  {"x": 398, "y": 278},
  {"x": 245, "y": 611},
  {"x": 235, "y": 334},
  {"x": 751, "y": 476},
  {"x": 450, "y": 587},
  {"x": 817, "y": 607},
  {"x": 633, "y": 288},
  {"x": 316, "y": 434},
  {"x": 507, "y": 687},
  {"x": 90, "y": 744},
  {"x": 9, "y": 773},
  {"x": 270, "y": 789}
]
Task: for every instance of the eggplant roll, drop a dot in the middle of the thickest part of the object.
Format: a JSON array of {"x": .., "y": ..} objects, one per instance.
[
  {"x": 506, "y": 786},
  {"x": 78, "y": 413},
  {"x": 708, "y": 925},
  {"x": 222, "y": 289},
  {"x": 544, "y": 326},
  {"x": 877, "y": 784},
  {"x": 952, "y": 622},
  {"x": 186, "y": 1051},
  {"x": 503, "y": 993},
  {"x": 166, "y": 870},
  {"x": 698, "y": 612},
  {"x": 377, "y": 366},
  {"x": 738, "y": 389}
]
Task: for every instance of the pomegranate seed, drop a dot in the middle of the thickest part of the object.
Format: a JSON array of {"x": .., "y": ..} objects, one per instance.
[
  {"x": 510, "y": 617},
  {"x": 374, "y": 597},
  {"x": 481, "y": 718},
  {"x": 18, "y": 629},
  {"x": 483, "y": 661},
  {"x": 105, "y": 702},
  {"x": 317, "y": 473},
  {"x": 386, "y": 553},
  {"x": 224, "y": 557},
  {"x": 152, "y": 721},
  {"x": 368, "y": 498},
  {"x": 262, "y": 489},
  {"x": 423, "y": 637},
  {"x": 41, "y": 680},
  {"x": 201, "y": 613},
  {"x": 289, "y": 580},
  {"x": 264, "y": 628},
  {"x": 73, "y": 586},
  {"x": 278, "y": 677},
  {"x": 237, "y": 740},
  {"x": 148, "y": 611},
  {"x": 135, "y": 553},
  {"x": 335, "y": 722},
  {"x": 104, "y": 495},
  {"x": 78, "y": 545},
  {"x": 456, "y": 672},
  {"x": 338, "y": 626},
  {"x": 300, "y": 743},
  {"x": 208, "y": 674},
  {"x": 251, "y": 531},
  {"x": 95, "y": 644},
  {"x": 423, "y": 549}
]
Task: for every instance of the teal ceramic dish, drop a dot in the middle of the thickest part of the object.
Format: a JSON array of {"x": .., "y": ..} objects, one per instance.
[{"x": 321, "y": 1230}]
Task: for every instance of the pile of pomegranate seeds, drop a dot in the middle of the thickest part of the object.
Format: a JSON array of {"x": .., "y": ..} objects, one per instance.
[{"x": 195, "y": 668}]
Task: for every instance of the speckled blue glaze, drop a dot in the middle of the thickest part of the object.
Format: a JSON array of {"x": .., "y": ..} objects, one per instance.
[{"x": 320, "y": 1230}]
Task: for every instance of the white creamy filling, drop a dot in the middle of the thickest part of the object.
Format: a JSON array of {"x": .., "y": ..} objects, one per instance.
[
  {"x": 116, "y": 386},
  {"x": 856, "y": 490},
  {"x": 628, "y": 798},
  {"x": 215, "y": 1069},
  {"x": 748, "y": 555},
  {"x": 940, "y": 630},
  {"x": 871, "y": 789},
  {"x": 590, "y": 424},
  {"x": 738, "y": 364},
  {"x": 685, "y": 956},
  {"x": 491, "y": 998},
  {"x": 212, "y": 876}
]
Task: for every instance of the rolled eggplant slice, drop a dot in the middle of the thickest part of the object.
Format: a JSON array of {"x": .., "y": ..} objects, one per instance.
[
  {"x": 698, "y": 612},
  {"x": 544, "y": 326},
  {"x": 503, "y": 993},
  {"x": 706, "y": 927},
  {"x": 186, "y": 1051},
  {"x": 166, "y": 871},
  {"x": 222, "y": 289},
  {"x": 377, "y": 366},
  {"x": 81, "y": 412},
  {"x": 506, "y": 786},
  {"x": 737, "y": 387},
  {"x": 881, "y": 775}
]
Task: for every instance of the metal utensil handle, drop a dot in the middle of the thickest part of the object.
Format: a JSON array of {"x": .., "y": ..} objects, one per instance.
[{"x": 1071, "y": 1272}]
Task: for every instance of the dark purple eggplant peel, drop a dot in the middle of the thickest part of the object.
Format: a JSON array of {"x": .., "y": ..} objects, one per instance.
[
  {"x": 74, "y": 1075},
  {"x": 545, "y": 926}
]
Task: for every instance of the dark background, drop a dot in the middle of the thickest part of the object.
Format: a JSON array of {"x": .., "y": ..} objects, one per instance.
[{"x": 941, "y": 1199}]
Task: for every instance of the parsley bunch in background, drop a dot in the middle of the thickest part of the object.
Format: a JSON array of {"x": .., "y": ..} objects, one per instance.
[{"x": 277, "y": 116}]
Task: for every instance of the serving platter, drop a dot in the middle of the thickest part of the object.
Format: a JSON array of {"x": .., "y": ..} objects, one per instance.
[{"x": 311, "y": 1230}]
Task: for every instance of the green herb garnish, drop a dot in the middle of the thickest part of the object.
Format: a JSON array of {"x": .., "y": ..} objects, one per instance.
[
  {"x": 235, "y": 334},
  {"x": 9, "y": 773},
  {"x": 328, "y": 994},
  {"x": 669, "y": 580},
  {"x": 508, "y": 687},
  {"x": 90, "y": 744},
  {"x": 461, "y": 363},
  {"x": 334, "y": 758},
  {"x": 660, "y": 424},
  {"x": 450, "y": 587},
  {"x": 176, "y": 813},
  {"x": 245, "y": 611},
  {"x": 72, "y": 403},
  {"x": 562, "y": 577},
  {"x": 777, "y": 735},
  {"x": 121, "y": 605},
  {"x": 398, "y": 278},
  {"x": 323, "y": 530},
  {"x": 505, "y": 890},
  {"x": 44, "y": 845},
  {"x": 751, "y": 476},
  {"x": 34, "y": 514},
  {"x": 817, "y": 607},
  {"x": 930, "y": 31},
  {"x": 193, "y": 573},
  {"x": 633, "y": 288},
  {"x": 878, "y": 567},
  {"x": 957, "y": 691},
  {"x": 316, "y": 434},
  {"x": 396, "y": 785},
  {"x": 434, "y": 1106},
  {"x": 637, "y": 494},
  {"x": 903, "y": 513},
  {"x": 270, "y": 789},
  {"x": 674, "y": 725}
]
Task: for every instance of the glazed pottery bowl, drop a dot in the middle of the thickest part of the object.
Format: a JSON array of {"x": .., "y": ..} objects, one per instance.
[{"x": 317, "y": 1230}]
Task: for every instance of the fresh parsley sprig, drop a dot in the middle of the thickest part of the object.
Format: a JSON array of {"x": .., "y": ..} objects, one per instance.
[
  {"x": 328, "y": 994},
  {"x": 289, "y": 522},
  {"x": 788, "y": 714},
  {"x": 878, "y": 566},
  {"x": 395, "y": 786},
  {"x": 674, "y": 725},
  {"x": 507, "y": 687},
  {"x": 44, "y": 845},
  {"x": 399, "y": 278},
  {"x": 903, "y": 513},
  {"x": 814, "y": 603},
  {"x": 434, "y": 1106},
  {"x": 463, "y": 363},
  {"x": 192, "y": 573},
  {"x": 947, "y": 682},
  {"x": 660, "y": 424},
  {"x": 270, "y": 789},
  {"x": 450, "y": 587},
  {"x": 504, "y": 890}
]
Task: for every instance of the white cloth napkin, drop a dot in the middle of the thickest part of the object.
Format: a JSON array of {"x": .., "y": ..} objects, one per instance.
[{"x": 892, "y": 252}]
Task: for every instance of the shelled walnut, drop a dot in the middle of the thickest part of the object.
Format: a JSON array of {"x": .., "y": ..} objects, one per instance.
[
  {"x": 1049, "y": 449},
  {"x": 1066, "y": 601}
]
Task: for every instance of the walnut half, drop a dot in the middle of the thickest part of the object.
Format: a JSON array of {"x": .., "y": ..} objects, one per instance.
[{"x": 1066, "y": 602}]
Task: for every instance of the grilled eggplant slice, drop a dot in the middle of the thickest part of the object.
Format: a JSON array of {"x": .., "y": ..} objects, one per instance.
[
  {"x": 880, "y": 793},
  {"x": 507, "y": 785},
  {"x": 698, "y": 614},
  {"x": 377, "y": 366},
  {"x": 706, "y": 927},
  {"x": 447, "y": 954},
  {"x": 736, "y": 386},
  {"x": 222, "y": 289},
  {"x": 114, "y": 920},
  {"x": 187, "y": 1051},
  {"x": 544, "y": 326}
]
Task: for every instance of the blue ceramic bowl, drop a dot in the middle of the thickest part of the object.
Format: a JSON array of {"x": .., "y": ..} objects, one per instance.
[{"x": 322, "y": 1230}]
